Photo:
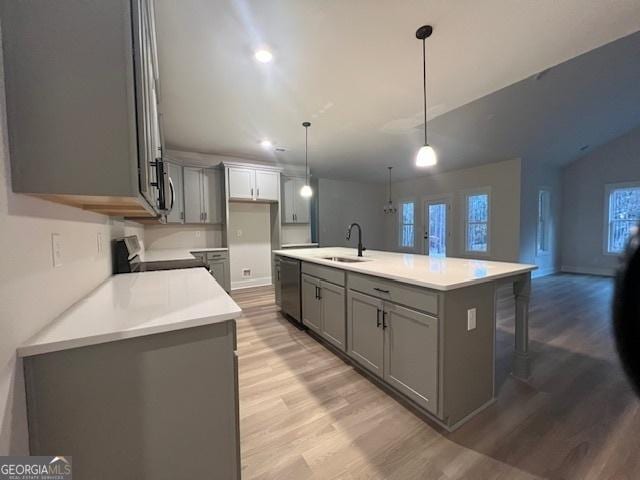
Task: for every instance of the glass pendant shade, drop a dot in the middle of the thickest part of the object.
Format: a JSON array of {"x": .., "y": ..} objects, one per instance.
[
  {"x": 426, "y": 156},
  {"x": 306, "y": 191}
]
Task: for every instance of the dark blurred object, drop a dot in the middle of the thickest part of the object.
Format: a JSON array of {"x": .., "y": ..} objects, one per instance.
[{"x": 626, "y": 310}]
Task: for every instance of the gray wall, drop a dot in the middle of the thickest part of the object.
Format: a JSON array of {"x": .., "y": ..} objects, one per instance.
[
  {"x": 537, "y": 175},
  {"x": 503, "y": 178},
  {"x": 341, "y": 203},
  {"x": 584, "y": 202}
]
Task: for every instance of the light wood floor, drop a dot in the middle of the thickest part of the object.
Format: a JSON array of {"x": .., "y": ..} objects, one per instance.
[{"x": 305, "y": 414}]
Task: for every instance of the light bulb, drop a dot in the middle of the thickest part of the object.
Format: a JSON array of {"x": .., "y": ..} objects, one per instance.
[
  {"x": 426, "y": 156},
  {"x": 306, "y": 191},
  {"x": 263, "y": 56},
  {"x": 266, "y": 144}
]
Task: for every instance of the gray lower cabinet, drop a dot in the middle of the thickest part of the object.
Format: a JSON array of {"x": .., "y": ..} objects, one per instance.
[
  {"x": 218, "y": 263},
  {"x": 164, "y": 406},
  {"x": 333, "y": 324},
  {"x": 365, "y": 333},
  {"x": 311, "y": 303},
  {"x": 411, "y": 354},
  {"x": 397, "y": 344}
]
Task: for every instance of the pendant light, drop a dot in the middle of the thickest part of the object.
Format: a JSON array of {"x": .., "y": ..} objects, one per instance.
[
  {"x": 426, "y": 156},
  {"x": 306, "y": 191},
  {"x": 390, "y": 208}
]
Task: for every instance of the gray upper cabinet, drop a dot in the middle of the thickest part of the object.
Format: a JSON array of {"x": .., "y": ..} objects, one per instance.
[
  {"x": 365, "y": 331},
  {"x": 203, "y": 195},
  {"x": 84, "y": 129},
  {"x": 295, "y": 208},
  {"x": 311, "y": 303},
  {"x": 176, "y": 214},
  {"x": 411, "y": 354},
  {"x": 247, "y": 183}
]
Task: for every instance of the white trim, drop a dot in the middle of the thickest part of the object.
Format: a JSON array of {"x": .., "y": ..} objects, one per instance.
[
  {"x": 465, "y": 215},
  {"x": 608, "y": 189},
  {"x": 252, "y": 282},
  {"x": 603, "y": 271}
]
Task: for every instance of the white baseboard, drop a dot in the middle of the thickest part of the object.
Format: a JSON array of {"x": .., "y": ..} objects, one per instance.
[
  {"x": 543, "y": 272},
  {"x": 251, "y": 283},
  {"x": 604, "y": 271}
]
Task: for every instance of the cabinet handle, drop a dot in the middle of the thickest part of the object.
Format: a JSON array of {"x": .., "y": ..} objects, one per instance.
[
  {"x": 384, "y": 320},
  {"x": 181, "y": 215},
  {"x": 378, "y": 323},
  {"x": 278, "y": 274},
  {"x": 252, "y": 192},
  {"x": 381, "y": 290},
  {"x": 257, "y": 192},
  {"x": 319, "y": 293}
]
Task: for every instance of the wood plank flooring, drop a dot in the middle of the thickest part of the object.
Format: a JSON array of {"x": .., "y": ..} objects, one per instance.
[{"x": 305, "y": 414}]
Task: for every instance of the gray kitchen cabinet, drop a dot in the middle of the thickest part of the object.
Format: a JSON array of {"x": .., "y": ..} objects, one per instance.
[
  {"x": 277, "y": 282},
  {"x": 176, "y": 214},
  {"x": 84, "y": 129},
  {"x": 364, "y": 331},
  {"x": 295, "y": 207},
  {"x": 333, "y": 325},
  {"x": 247, "y": 183},
  {"x": 311, "y": 303},
  {"x": 202, "y": 195},
  {"x": 219, "y": 267},
  {"x": 411, "y": 354}
]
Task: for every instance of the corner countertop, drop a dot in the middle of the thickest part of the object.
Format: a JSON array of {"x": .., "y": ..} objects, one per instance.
[
  {"x": 165, "y": 254},
  {"x": 444, "y": 273},
  {"x": 136, "y": 304}
]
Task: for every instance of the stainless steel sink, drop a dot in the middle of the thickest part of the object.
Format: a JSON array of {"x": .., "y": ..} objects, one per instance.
[{"x": 345, "y": 259}]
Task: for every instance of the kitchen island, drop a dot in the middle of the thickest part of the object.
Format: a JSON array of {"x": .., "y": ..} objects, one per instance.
[
  {"x": 422, "y": 327},
  {"x": 139, "y": 379}
]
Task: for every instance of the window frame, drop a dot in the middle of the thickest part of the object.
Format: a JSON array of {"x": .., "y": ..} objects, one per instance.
[
  {"x": 400, "y": 224},
  {"x": 465, "y": 221},
  {"x": 609, "y": 188},
  {"x": 539, "y": 251}
]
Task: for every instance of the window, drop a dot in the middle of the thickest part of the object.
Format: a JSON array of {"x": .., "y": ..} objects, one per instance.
[
  {"x": 437, "y": 233},
  {"x": 623, "y": 209},
  {"x": 543, "y": 244},
  {"x": 407, "y": 224},
  {"x": 477, "y": 223}
]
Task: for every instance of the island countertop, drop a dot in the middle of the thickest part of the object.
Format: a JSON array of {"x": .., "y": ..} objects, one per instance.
[
  {"x": 438, "y": 273},
  {"x": 136, "y": 304}
]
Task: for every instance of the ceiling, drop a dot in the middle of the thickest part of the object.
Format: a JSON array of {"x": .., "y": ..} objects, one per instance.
[{"x": 353, "y": 68}]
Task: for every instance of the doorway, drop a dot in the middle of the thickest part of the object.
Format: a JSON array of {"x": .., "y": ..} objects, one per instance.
[{"x": 437, "y": 231}]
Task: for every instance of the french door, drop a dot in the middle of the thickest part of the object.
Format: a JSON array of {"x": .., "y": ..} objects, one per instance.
[{"x": 436, "y": 222}]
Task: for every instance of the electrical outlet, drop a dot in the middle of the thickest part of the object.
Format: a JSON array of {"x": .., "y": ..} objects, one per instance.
[
  {"x": 246, "y": 272},
  {"x": 471, "y": 319},
  {"x": 100, "y": 244},
  {"x": 197, "y": 233},
  {"x": 56, "y": 249},
  {"x": 239, "y": 233}
]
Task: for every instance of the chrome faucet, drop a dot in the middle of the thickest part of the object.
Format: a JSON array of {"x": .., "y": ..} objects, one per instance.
[{"x": 360, "y": 247}]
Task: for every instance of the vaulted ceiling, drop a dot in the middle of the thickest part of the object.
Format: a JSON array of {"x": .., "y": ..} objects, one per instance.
[{"x": 353, "y": 68}]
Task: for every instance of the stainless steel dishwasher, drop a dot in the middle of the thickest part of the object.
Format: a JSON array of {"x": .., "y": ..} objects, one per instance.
[{"x": 290, "y": 285}]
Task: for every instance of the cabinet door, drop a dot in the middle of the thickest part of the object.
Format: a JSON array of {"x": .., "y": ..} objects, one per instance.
[
  {"x": 334, "y": 325},
  {"x": 212, "y": 195},
  {"x": 411, "y": 354},
  {"x": 267, "y": 185},
  {"x": 302, "y": 203},
  {"x": 288, "y": 199},
  {"x": 219, "y": 272},
  {"x": 365, "y": 335},
  {"x": 192, "y": 195},
  {"x": 176, "y": 215},
  {"x": 311, "y": 303},
  {"x": 241, "y": 183}
]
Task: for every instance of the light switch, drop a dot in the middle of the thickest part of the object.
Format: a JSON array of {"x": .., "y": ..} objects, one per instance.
[
  {"x": 56, "y": 249},
  {"x": 471, "y": 319},
  {"x": 239, "y": 233},
  {"x": 197, "y": 233}
]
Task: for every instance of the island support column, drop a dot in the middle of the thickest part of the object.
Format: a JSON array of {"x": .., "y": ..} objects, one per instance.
[{"x": 521, "y": 360}]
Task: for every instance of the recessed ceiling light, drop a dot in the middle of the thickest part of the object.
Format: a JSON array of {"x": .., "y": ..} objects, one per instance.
[
  {"x": 263, "y": 55},
  {"x": 266, "y": 144}
]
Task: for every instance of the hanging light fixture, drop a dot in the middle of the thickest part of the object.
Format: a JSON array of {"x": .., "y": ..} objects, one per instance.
[
  {"x": 306, "y": 191},
  {"x": 390, "y": 208},
  {"x": 426, "y": 156}
]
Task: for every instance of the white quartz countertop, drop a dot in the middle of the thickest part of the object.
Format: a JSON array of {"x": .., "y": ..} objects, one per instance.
[
  {"x": 136, "y": 304},
  {"x": 421, "y": 270},
  {"x": 165, "y": 254},
  {"x": 298, "y": 245}
]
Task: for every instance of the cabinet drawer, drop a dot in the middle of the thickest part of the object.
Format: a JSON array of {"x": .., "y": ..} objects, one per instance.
[
  {"x": 216, "y": 256},
  {"x": 332, "y": 275},
  {"x": 408, "y": 295}
]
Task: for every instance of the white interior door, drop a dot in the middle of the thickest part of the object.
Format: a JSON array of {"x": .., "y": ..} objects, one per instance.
[{"x": 437, "y": 231}]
